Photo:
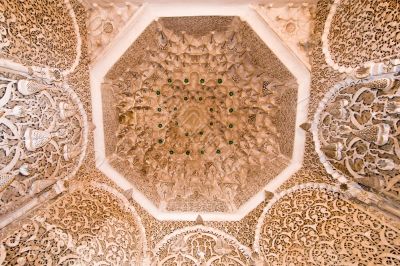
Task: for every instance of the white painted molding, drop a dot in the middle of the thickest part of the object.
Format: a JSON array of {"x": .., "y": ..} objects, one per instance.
[{"x": 142, "y": 18}]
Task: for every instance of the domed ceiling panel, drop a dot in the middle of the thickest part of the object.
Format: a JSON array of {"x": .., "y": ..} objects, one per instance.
[{"x": 198, "y": 116}]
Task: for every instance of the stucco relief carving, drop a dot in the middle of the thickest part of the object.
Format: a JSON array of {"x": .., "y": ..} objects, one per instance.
[
  {"x": 200, "y": 245},
  {"x": 105, "y": 21},
  {"x": 184, "y": 126},
  {"x": 313, "y": 225},
  {"x": 44, "y": 34},
  {"x": 368, "y": 34},
  {"x": 92, "y": 225},
  {"x": 43, "y": 138},
  {"x": 293, "y": 23},
  {"x": 356, "y": 133}
]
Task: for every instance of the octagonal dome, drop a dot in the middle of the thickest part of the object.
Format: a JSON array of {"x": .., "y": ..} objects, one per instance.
[{"x": 198, "y": 117}]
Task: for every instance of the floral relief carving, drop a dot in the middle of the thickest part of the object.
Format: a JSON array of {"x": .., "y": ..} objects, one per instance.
[
  {"x": 89, "y": 226},
  {"x": 312, "y": 225},
  {"x": 200, "y": 245},
  {"x": 183, "y": 127},
  {"x": 356, "y": 133},
  {"x": 293, "y": 23},
  {"x": 105, "y": 20},
  {"x": 369, "y": 33},
  {"x": 40, "y": 33},
  {"x": 43, "y": 138}
]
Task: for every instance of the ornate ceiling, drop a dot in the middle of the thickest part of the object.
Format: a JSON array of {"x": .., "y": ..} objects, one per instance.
[
  {"x": 196, "y": 121},
  {"x": 157, "y": 133}
]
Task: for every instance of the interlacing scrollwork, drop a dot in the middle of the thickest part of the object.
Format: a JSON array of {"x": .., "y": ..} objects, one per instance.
[
  {"x": 200, "y": 245},
  {"x": 198, "y": 119},
  {"x": 90, "y": 226},
  {"x": 357, "y": 134},
  {"x": 43, "y": 138},
  {"x": 40, "y": 33},
  {"x": 313, "y": 225},
  {"x": 359, "y": 32}
]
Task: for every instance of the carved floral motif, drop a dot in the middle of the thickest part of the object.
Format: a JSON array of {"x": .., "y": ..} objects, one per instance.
[
  {"x": 93, "y": 225},
  {"x": 200, "y": 245},
  {"x": 313, "y": 225},
  {"x": 43, "y": 138},
  {"x": 369, "y": 33},
  {"x": 356, "y": 133},
  {"x": 40, "y": 33}
]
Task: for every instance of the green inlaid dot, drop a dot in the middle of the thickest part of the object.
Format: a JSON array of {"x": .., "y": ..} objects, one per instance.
[
  {"x": 219, "y": 81},
  {"x": 230, "y": 142},
  {"x": 211, "y": 110},
  {"x": 159, "y": 109},
  {"x": 160, "y": 125},
  {"x": 186, "y": 80},
  {"x": 158, "y": 92},
  {"x": 187, "y": 152},
  {"x": 160, "y": 141},
  {"x": 231, "y": 93},
  {"x": 202, "y": 152},
  {"x": 200, "y": 98},
  {"x": 230, "y": 125},
  {"x": 201, "y": 132},
  {"x": 230, "y": 110},
  {"x": 171, "y": 152},
  {"x": 202, "y": 81},
  {"x": 169, "y": 80},
  {"x": 218, "y": 151},
  {"x": 185, "y": 98}
]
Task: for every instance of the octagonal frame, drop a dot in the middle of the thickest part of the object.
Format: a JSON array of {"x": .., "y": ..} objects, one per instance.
[{"x": 134, "y": 27}]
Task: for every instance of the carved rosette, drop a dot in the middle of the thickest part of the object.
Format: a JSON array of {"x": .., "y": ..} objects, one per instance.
[
  {"x": 200, "y": 245},
  {"x": 43, "y": 138},
  {"x": 356, "y": 133}
]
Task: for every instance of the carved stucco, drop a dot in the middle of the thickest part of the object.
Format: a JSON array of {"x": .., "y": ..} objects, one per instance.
[
  {"x": 183, "y": 135},
  {"x": 376, "y": 234},
  {"x": 105, "y": 21},
  {"x": 293, "y": 23}
]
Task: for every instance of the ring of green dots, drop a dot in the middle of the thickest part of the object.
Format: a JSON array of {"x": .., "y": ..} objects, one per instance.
[
  {"x": 187, "y": 152},
  {"x": 219, "y": 81},
  {"x": 218, "y": 151}
]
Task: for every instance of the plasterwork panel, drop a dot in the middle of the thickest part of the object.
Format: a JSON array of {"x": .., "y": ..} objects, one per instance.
[
  {"x": 90, "y": 226},
  {"x": 313, "y": 225},
  {"x": 43, "y": 138},
  {"x": 360, "y": 32},
  {"x": 40, "y": 33},
  {"x": 200, "y": 245}
]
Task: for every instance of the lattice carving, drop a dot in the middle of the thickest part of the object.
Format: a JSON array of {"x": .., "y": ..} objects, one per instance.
[
  {"x": 369, "y": 33},
  {"x": 40, "y": 33},
  {"x": 200, "y": 245},
  {"x": 90, "y": 226},
  {"x": 43, "y": 138},
  {"x": 356, "y": 133},
  {"x": 313, "y": 225}
]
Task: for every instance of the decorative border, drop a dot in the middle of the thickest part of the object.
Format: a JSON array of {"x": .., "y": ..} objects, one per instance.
[
  {"x": 277, "y": 197},
  {"x": 325, "y": 44},
  {"x": 203, "y": 229},
  {"x": 134, "y": 27},
  {"x": 317, "y": 117}
]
